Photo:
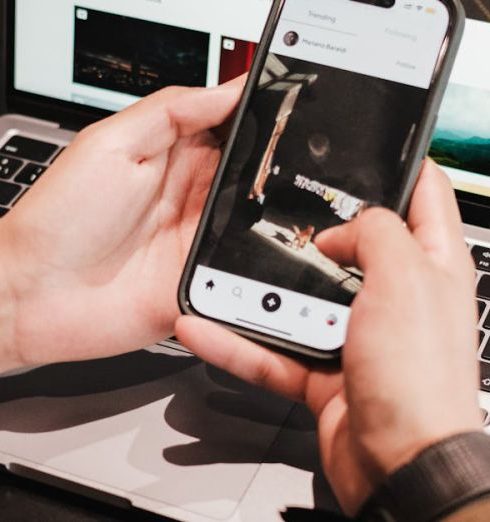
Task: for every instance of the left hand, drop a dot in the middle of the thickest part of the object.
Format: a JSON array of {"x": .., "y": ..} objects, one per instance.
[
  {"x": 411, "y": 338},
  {"x": 91, "y": 257}
]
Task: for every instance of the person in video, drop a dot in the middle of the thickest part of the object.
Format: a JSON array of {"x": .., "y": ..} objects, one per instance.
[{"x": 90, "y": 261}]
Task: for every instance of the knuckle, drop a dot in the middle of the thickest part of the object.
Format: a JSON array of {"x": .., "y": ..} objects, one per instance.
[
  {"x": 376, "y": 222},
  {"x": 172, "y": 90},
  {"x": 262, "y": 374},
  {"x": 94, "y": 134},
  {"x": 169, "y": 122},
  {"x": 376, "y": 216},
  {"x": 104, "y": 136}
]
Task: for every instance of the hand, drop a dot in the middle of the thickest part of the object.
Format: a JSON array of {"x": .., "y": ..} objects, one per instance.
[
  {"x": 91, "y": 257},
  {"x": 409, "y": 373}
]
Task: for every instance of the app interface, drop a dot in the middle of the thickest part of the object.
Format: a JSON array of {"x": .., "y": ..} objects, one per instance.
[{"x": 325, "y": 136}]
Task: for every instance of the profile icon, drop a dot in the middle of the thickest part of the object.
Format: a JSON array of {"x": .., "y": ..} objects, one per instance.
[{"x": 291, "y": 38}]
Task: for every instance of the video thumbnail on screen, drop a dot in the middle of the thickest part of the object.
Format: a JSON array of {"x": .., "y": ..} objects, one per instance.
[
  {"x": 462, "y": 137},
  {"x": 236, "y": 58},
  {"x": 135, "y": 56},
  {"x": 306, "y": 160}
]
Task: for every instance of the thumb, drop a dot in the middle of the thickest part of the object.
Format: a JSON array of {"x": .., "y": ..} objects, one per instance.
[
  {"x": 151, "y": 126},
  {"x": 375, "y": 242},
  {"x": 202, "y": 109}
]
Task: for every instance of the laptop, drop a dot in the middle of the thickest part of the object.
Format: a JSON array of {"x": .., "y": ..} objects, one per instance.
[{"x": 157, "y": 429}]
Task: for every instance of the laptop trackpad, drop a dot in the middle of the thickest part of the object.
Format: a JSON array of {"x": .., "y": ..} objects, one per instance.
[{"x": 165, "y": 431}]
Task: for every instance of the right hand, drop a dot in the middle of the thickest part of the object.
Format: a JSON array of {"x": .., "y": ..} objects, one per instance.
[{"x": 410, "y": 375}]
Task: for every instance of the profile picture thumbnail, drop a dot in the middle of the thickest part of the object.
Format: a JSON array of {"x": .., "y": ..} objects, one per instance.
[{"x": 291, "y": 38}]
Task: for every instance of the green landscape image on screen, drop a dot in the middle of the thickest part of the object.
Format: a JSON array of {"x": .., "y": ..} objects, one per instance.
[{"x": 462, "y": 136}]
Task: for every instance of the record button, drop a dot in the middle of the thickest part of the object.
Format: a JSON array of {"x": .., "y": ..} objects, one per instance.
[{"x": 271, "y": 303}]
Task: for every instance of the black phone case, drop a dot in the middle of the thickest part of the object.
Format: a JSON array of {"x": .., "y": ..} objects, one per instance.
[{"x": 418, "y": 152}]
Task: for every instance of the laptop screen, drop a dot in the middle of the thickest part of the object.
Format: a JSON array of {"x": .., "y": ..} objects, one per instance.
[
  {"x": 461, "y": 141},
  {"x": 106, "y": 54}
]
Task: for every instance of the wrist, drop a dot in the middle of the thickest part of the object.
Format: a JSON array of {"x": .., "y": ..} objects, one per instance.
[
  {"x": 383, "y": 454},
  {"x": 401, "y": 437},
  {"x": 441, "y": 479}
]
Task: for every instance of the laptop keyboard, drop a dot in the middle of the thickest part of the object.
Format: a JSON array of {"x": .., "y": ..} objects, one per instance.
[
  {"x": 22, "y": 162},
  {"x": 481, "y": 256}
]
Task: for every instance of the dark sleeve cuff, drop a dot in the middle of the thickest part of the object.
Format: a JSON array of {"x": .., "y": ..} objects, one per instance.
[{"x": 442, "y": 478}]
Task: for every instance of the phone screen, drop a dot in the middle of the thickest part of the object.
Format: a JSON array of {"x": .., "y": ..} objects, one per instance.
[{"x": 325, "y": 135}]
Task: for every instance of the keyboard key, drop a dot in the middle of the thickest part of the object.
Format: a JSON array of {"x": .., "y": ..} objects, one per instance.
[
  {"x": 484, "y": 376},
  {"x": 20, "y": 197},
  {"x": 29, "y": 149},
  {"x": 8, "y": 167},
  {"x": 3, "y": 211},
  {"x": 30, "y": 174},
  {"x": 481, "y": 256},
  {"x": 8, "y": 192},
  {"x": 57, "y": 155},
  {"x": 481, "y": 308},
  {"x": 485, "y": 417},
  {"x": 483, "y": 288},
  {"x": 486, "y": 322},
  {"x": 486, "y": 351}
]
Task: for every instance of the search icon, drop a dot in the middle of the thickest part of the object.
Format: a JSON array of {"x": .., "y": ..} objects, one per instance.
[{"x": 237, "y": 292}]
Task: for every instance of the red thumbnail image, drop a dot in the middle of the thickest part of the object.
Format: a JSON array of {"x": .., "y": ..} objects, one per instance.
[{"x": 236, "y": 58}]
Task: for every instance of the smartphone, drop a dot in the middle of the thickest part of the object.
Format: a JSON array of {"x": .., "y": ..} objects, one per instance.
[{"x": 336, "y": 117}]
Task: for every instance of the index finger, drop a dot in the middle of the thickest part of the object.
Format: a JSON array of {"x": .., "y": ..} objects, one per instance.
[
  {"x": 250, "y": 362},
  {"x": 372, "y": 242},
  {"x": 242, "y": 358}
]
